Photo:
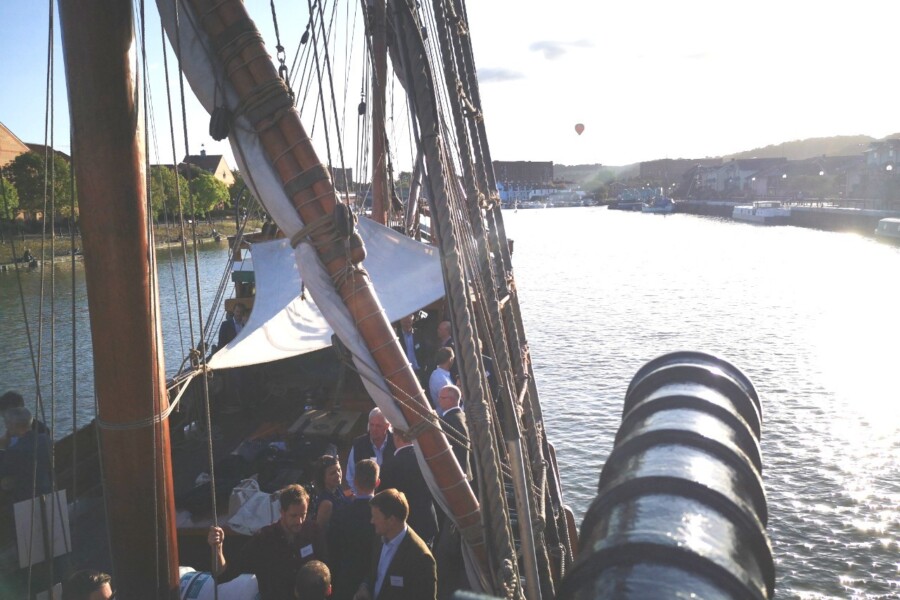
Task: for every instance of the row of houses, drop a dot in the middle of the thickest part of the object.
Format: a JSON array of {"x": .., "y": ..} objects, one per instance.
[
  {"x": 11, "y": 147},
  {"x": 869, "y": 175}
]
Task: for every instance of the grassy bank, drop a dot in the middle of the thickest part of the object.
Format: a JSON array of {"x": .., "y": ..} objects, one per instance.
[{"x": 62, "y": 243}]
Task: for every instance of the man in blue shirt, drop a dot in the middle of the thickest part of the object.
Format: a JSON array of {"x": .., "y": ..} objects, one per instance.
[{"x": 404, "y": 568}]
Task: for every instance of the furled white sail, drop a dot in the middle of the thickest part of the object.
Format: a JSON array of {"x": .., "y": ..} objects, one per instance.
[
  {"x": 406, "y": 275},
  {"x": 209, "y": 83}
]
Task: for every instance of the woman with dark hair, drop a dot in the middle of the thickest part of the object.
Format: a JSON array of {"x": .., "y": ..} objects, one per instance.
[{"x": 330, "y": 497}]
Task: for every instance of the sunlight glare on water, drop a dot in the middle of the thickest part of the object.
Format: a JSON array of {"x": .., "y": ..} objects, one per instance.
[{"x": 810, "y": 316}]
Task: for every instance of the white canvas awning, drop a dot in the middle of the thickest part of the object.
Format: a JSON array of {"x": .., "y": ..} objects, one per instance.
[{"x": 406, "y": 275}]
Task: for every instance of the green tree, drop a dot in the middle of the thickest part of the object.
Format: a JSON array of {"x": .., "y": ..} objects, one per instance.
[
  {"x": 209, "y": 193},
  {"x": 404, "y": 179},
  {"x": 9, "y": 199},
  {"x": 163, "y": 192},
  {"x": 235, "y": 191},
  {"x": 27, "y": 173}
]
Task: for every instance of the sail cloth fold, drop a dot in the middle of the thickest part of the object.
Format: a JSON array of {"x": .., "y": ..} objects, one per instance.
[{"x": 406, "y": 275}]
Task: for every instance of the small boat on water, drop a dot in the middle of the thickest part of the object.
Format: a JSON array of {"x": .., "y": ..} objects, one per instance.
[
  {"x": 888, "y": 229},
  {"x": 660, "y": 205},
  {"x": 762, "y": 212},
  {"x": 632, "y": 205}
]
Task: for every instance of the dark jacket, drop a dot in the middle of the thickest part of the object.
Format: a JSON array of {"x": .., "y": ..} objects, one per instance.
[
  {"x": 351, "y": 537},
  {"x": 411, "y": 575},
  {"x": 275, "y": 561},
  {"x": 454, "y": 423},
  {"x": 17, "y": 466},
  {"x": 403, "y": 473},
  {"x": 362, "y": 448},
  {"x": 227, "y": 332},
  {"x": 423, "y": 349}
]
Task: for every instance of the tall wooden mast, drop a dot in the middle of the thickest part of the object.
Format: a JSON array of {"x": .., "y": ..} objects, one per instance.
[
  {"x": 380, "y": 195},
  {"x": 108, "y": 147}
]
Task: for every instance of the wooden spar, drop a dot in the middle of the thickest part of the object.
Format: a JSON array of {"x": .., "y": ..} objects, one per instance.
[
  {"x": 100, "y": 58},
  {"x": 291, "y": 153},
  {"x": 380, "y": 200}
]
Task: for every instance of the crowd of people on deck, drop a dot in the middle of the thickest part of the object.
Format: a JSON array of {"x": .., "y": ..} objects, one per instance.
[
  {"x": 374, "y": 526},
  {"x": 376, "y": 534},
  {"x": 381, "y": 538}
]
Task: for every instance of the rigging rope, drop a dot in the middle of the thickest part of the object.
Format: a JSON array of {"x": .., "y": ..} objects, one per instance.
[
  {"x": 205, "y": 382},
  {"x": 153, "y": 399}
]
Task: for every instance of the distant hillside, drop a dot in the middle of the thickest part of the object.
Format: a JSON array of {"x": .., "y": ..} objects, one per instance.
[
  {"x": 839, "y": 145},
  {"x": 592, "y": 176}
]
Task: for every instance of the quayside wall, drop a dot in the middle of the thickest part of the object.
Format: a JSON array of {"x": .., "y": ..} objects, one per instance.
[{"x": 827, "y": 218}]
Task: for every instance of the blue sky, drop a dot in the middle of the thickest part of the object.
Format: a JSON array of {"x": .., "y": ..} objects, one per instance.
[{"x": 648, "y": 79}]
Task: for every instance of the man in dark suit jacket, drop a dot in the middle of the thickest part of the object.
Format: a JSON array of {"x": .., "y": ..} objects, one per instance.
[
  {"x": 454, "y": 424},
  {"x": 17, "y": 462},
  {"x": 416, "y": 348},
  {"x": 276, "y": 552},
  {"x": 403, "y": 474},
  {"x": 232, "y": 325},
  {"x": 351, "y": 535},
  {"x": 403, "y": 567}
]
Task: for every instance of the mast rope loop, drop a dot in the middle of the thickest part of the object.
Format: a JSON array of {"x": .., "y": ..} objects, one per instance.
[
  {"x": 313, "y": 200},
  {"x": 142, "y": 423},
  {"x": 241, "y": 34},
  {"x": 290, "y": 148},
  {"x": 345, "y": 274},
  {"x": 258, "y": 56},
  {"x": 320, "y": 225},
  {"x": 153, "y": 419},
  {"x": 435, "y": 457},
  {"x": 337, "y": 250},
  {"x": 428, "y": 422},
  {"x": 344, "y": 220},
  {"x": 274, "y": 119},
  {"x": 212, "y": 9},
  {"x": 265, "y": 101},
  {"x": 306, "y": 179}
]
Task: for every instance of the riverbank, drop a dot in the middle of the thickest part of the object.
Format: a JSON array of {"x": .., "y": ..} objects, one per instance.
[
  {"x": 809, "y": 215},
  {"x": 165, "y": 234}
]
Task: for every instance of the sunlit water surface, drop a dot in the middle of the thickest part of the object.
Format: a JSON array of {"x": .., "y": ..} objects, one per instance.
[{"x": 812, "y": 317}]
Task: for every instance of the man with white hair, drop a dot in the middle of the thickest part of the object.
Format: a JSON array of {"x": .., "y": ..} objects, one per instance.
[{"x": 377, "y": 443}]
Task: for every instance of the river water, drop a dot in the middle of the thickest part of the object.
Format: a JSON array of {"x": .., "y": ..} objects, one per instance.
[{"x": 810, "y": 316}]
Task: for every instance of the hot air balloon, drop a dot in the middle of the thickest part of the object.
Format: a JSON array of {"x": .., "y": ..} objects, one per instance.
[{"x": 579, "y": 128}]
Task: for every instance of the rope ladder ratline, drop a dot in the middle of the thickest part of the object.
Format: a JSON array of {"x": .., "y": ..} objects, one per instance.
[{"x": 457, "y": 294}]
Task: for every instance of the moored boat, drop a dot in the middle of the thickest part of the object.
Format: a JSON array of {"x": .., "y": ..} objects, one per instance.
[
  {"x": 661, "y": 205},
  {"x": 762, "y": 212},
  {"x": 635, "y": 205},
  {"x": 888, "y": 229}
]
